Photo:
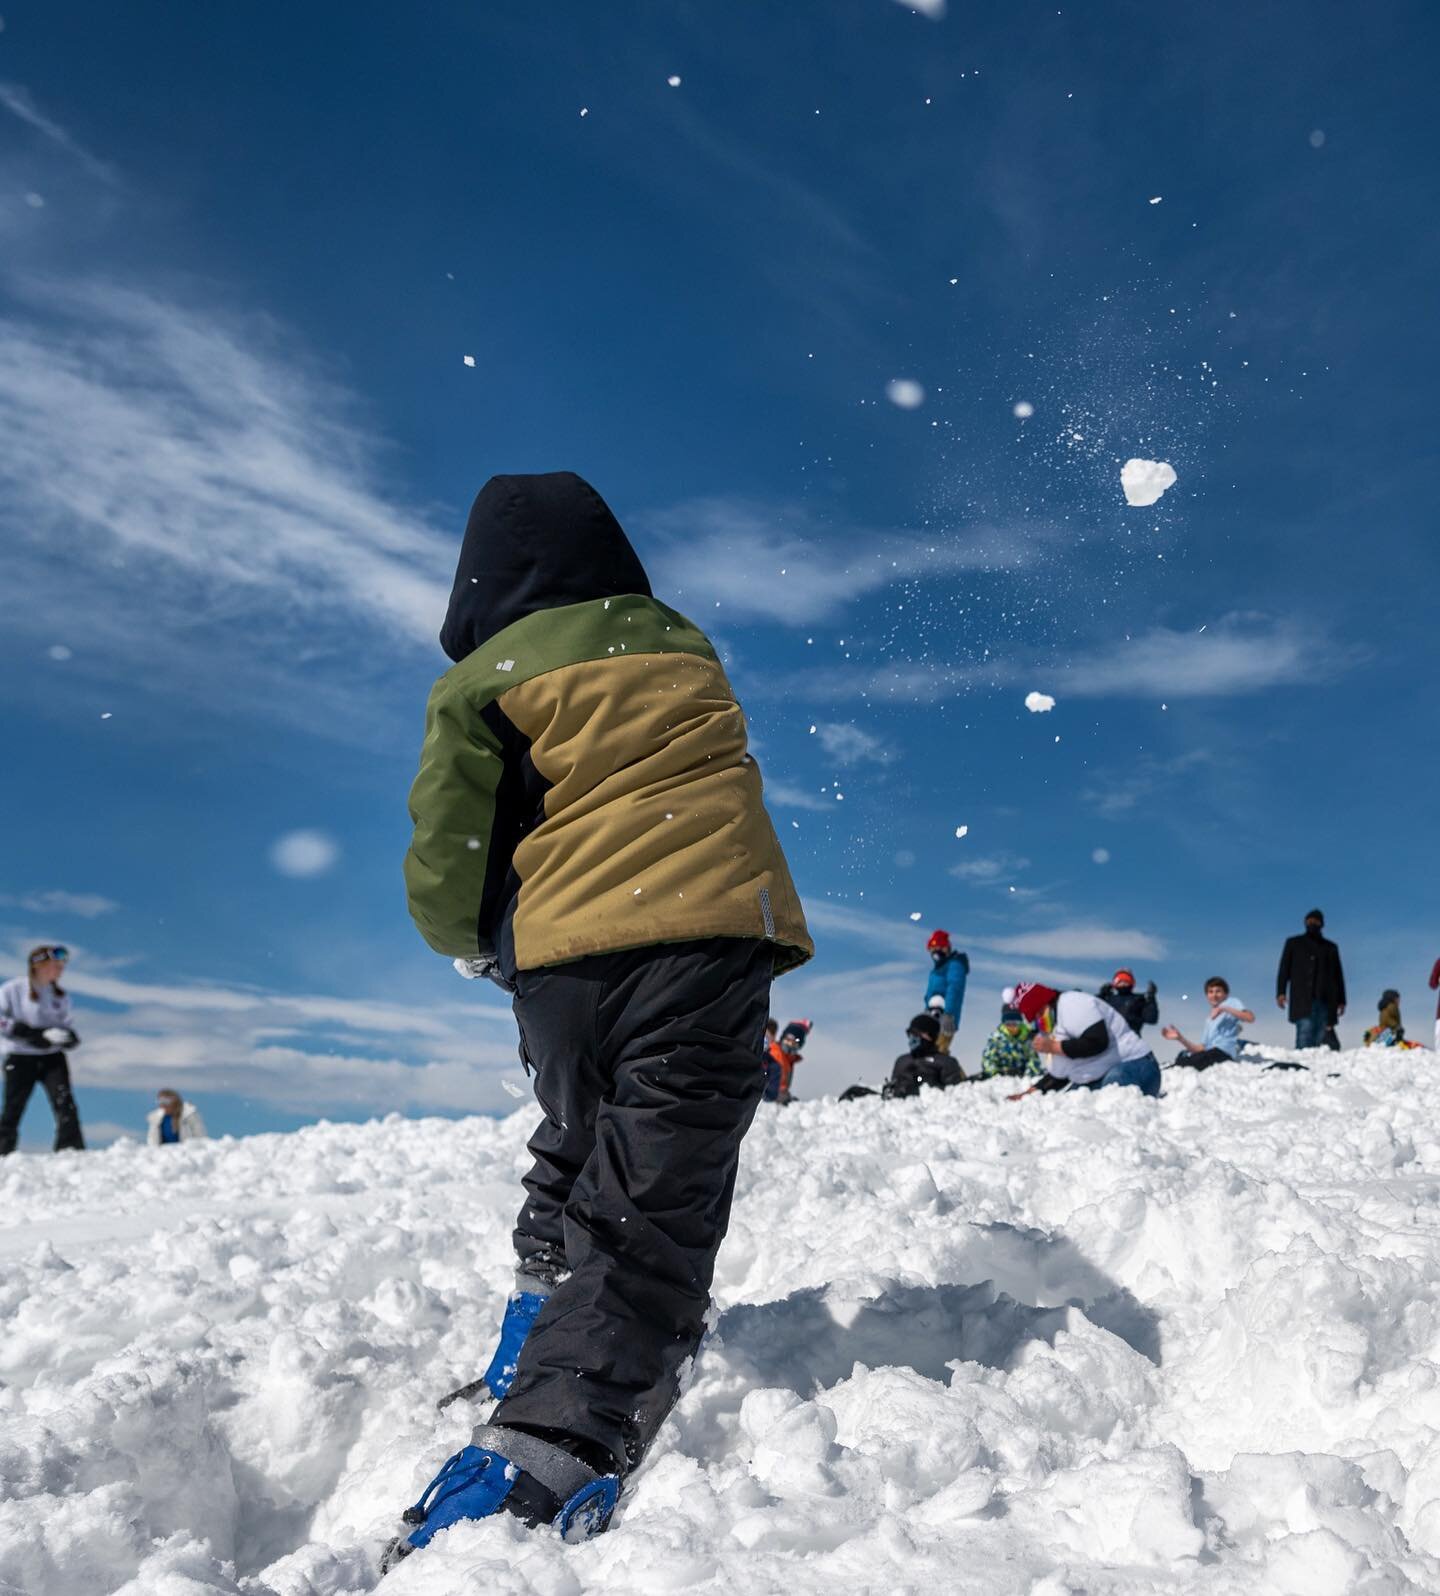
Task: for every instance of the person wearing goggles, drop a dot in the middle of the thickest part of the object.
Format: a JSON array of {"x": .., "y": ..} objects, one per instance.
[{"x": 35, "y": 1034}]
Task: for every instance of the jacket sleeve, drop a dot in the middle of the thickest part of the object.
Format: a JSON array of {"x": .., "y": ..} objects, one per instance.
[
  {"x": 452, "y": 806},
  {"x": 904, "y": 1078},
  {"x": 1435, "y": 976},
  {"x": 955, "y": 978},
  {"x": 1282, "y": 978},
  {"x": 1339, "y": 979},
  {"x": 152, "y": 1131},
  {"x": 1150, "y": 1013},
  {"x": 950, "y": 1073},
  {"x": 198, "y": 1133},
  {"x": 1091, "y": 1042}
]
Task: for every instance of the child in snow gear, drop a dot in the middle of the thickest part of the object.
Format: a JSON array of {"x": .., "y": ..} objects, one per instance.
[
  {"x": 784, "y": 1055},
  {"x": 1009, "y": 1050},
  {"x": 1091, "y": 1046},
  {"x": 1311, "y": 983},
  {"x": 1220, "y": 1043},
  {"x": 590, "y": 833},
  {"x": 173, "y": 1120},
  {"x": 1139, "y": 1009},
  {"x": 945, "y": 988},
  {"x": 35, "y": 1033},
  {"x": 1388, "y": 1031},
  {"x": 923, "y": 1064}
]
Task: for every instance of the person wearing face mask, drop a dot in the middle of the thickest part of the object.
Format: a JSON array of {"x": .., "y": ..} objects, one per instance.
[
  {"x": 1311, "y": 982},
  {"x": 945, "y": 988},
  {"x": 923, "y": 1064},
  {"x": 34, "y": 1034}
]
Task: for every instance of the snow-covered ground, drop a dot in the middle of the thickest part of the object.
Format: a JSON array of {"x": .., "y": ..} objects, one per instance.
[{"x": 1079, "y": 1344}]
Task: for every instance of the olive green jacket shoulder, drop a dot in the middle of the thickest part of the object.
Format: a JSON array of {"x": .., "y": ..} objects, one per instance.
[{"x": 585, "y": 786}]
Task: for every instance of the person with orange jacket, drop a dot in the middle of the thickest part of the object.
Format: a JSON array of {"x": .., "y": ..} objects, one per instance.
[{"x": 782, "y": 1057}]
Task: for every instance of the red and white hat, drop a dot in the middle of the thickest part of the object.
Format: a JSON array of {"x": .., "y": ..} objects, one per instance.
[{"x": 1032, "y": 999}]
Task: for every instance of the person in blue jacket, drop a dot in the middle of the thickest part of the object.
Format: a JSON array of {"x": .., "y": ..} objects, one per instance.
[{"x": 945, "y": 990}]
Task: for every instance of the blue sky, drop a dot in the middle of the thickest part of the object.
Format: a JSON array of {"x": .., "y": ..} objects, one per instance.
[{"x": 246, "y": 255}]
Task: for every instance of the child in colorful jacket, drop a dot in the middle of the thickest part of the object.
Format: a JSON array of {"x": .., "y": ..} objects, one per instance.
[
  {"x": 590, "y": 833},
  {"x": 1009, "y": 1050}
]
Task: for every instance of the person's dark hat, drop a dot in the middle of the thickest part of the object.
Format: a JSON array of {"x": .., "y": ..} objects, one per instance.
[
  {"x": 1012, "y": 1016},
  {"x": 1315, "y": 914},
  {"x": 924, "y": 1025}
]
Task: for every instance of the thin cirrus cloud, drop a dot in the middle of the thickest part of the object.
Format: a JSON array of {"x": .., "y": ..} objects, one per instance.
[
  {"x": 1239, "y": 654},
  {"x": 759, "y": 562},
  {"x": 83, "y": 905},
  {"x": 195, "y": 473},
  {"x": 18, "y": 101}
]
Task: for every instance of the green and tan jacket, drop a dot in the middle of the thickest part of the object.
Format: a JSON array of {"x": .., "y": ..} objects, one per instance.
[{"x": 585, "y": 787}]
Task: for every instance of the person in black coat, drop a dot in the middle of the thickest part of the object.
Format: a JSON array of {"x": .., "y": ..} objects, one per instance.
[
  {"x": 1311, "y": 982},
  {"x": 1139, "y": 1008},
  {"x": 924, "y": 1064}
]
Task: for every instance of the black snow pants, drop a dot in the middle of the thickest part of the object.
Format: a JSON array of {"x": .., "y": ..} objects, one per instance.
[
  {"x": 23, "y": 1073},
  {"x": 1201, "y": 1060},
  {"x": 647, "y": 1066}
]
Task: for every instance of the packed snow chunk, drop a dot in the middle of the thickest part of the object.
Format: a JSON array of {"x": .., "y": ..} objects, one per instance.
[
  {"x": 302, "y": 854},
  {"x": 1023, "y": 409},
  {"x": 934, "y": 9},
  {"x": 905, "y": 392},
  {"x": 673, "y": 80},
  {"x": 468, "y": 359},
  {"x": 1145, "y": 480},
  {"x": 1039, "y": 703}
]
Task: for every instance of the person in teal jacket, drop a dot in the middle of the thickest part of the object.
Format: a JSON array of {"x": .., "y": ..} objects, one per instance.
[{"x": 945, "y": 990}]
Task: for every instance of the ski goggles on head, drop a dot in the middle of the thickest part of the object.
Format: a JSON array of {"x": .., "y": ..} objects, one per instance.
[{"x": 43, "y": 955}]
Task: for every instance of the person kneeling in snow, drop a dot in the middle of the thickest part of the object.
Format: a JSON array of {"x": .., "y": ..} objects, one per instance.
[
  {"x": 590, "y": 833},
  {"x": 173, "y": 1120},
  {"x": 1008, "y": 1049},
  {"x": 1220, "y": 1043},
  {"x": 924, "y": 1064},
  {"x": 1092, "y": 1045}
]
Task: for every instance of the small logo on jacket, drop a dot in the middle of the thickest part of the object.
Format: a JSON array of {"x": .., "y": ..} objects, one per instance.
[{"x": 766, "y": 914}]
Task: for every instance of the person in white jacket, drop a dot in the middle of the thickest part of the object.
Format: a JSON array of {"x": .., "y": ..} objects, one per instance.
[
  {"x": 35, "y": 1033},
  {"x": 173, "y": 1120},
  {"x": 1090, "y": 1043}
]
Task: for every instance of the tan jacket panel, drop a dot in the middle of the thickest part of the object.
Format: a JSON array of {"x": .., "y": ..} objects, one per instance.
[{"x": 669, "y": 844}]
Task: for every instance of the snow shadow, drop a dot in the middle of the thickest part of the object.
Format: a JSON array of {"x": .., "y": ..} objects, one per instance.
[{"x": 814, "y": 1337}]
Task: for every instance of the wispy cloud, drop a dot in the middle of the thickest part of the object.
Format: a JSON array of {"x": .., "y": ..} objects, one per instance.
[
  {"x": 85, "y": 905},
  {"x": 1239, "y": 654},
  {"x": 780, "y": 563},
  {"x": 16, "y": 99},
  {"x": 990, "y": 869},
  {"x": 305, "y": 1052},
  {"x": 788, "y": 795},
  {"x": 849, "y": 744},
  {"x": 205, "y": 488}
]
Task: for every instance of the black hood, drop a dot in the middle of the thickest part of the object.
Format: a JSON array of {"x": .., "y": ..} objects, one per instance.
[{"x": 534, "y": 543}]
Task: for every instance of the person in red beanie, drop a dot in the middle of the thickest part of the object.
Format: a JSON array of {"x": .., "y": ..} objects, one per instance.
[
  {"x": 1090, "y": 1044},
  {"x": 1139, "y": 1008},
  {"x": 945, "y": 989}
]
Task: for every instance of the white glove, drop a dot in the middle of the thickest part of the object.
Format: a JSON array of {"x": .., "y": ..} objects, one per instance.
[
  {"x": 59, "y": 1036},
  {"x": 936, "y": 1002}
]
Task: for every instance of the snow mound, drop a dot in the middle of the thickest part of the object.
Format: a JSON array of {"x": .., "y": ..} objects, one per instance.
[
  {"x": 1145, "y": 480},
  {"x": 1081, "y": 1343}
]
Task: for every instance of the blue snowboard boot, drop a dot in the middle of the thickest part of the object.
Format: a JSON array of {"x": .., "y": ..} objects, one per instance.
[
  {"x": 529, "y": 1296},
  {"x": 509, "y": 1471}
]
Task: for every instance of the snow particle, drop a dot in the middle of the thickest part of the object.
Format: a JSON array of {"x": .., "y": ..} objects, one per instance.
[
  {"x": 1145, "y": 480},
  {"x": 58, "y": 651},
  {"x": 584, "y": 110},
  {"x": 1039, "y": 703},
  {"x": 915, "y": 916},
  {"x": 905, "y": 392},
  {"x": 1023, "y": 410},
  {"x": 303, "y": 854},
  {"x": 1156, "y": 200},
  {"x": 1101, "y": 856},
  {"x": 962, "y": 831},
  {"x": 934, "y": 9},
  {"x": 36, "y": 202},
  {"x": 104, "y": 714},
  {"x": 673, "y": 80},
  {"x": 1317, "y": 138},
  {"x": 468, "y": 359}
]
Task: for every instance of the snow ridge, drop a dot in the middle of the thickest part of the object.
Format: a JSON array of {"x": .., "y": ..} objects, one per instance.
[{"x": 1086, "y": 1343}]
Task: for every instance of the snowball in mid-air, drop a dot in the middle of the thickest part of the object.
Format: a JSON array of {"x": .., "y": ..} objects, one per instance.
[
  {"x": 1024, "y": 409},
  {"x": 909, "y": 395},
  {"x": 1145, "y": 480},
  {"x": 304, "y": 853},
  {"x": 1039, "y": 703},
  {"x": 58, "y": 651},
  {"x": 1101, "y": 856},
  {"x": 1157, "y": 199},
  {"x": 673, "y": 80},
  {"x": 961, "y": 831},
  {"x": 468, "y": 359}
]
